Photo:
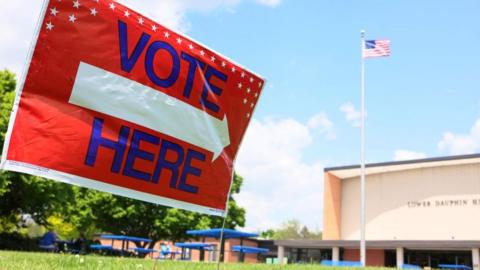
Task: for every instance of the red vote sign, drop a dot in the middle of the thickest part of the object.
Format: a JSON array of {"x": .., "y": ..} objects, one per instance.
[{"x": 116, "y": 102}]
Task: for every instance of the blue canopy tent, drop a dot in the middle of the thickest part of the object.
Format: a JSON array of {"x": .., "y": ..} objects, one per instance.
[
  {"x": 217, "y": 233},
  {"x": 125, "y": 241},
  {"x": 250, "y": 250},
  {"x": 198, "y": 246},
  {"x": 242, "y": 250}
]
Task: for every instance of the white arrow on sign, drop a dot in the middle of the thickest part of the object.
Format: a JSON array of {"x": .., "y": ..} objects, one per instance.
[{"x": 102, "y": 91}]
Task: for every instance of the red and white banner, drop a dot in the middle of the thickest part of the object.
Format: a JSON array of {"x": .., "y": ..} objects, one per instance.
[{"x": 116, "y": 102}]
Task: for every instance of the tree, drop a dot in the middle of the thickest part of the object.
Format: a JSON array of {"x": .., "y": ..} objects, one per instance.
[
  {"x": 33, "y": 195},
  {"x": 289, "y": 230},
  {"x": 7, "y": 95},
  {"x": 268, "y": 234},
  {"x": 94, "y": 210},
  {"x": 292, "y": 229}
]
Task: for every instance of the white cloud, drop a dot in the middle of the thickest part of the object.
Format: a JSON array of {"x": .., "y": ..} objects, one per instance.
[
  {"x": 322, "y": 125},
  {"x": 17, "y": 25},
  {"x": 456, "y": 144},
  {"x": 408, "y": 155},
  {"x": 353, "y": 116},
  {"x": 172, "y": 13},
  {"x": 169, "y": 13},
  {"x": 279, "y": 185},
  {"x": 271, "y": 3}
]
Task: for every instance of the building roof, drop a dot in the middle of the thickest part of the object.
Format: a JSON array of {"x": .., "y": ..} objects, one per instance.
[
  {"x": 383, "y": 244},
  {"x": 385, "y": 167}
]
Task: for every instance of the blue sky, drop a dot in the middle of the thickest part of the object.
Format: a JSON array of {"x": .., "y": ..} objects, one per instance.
[
  {"x": 309, "y": 53},
  {"x": 423, "y": 101}
]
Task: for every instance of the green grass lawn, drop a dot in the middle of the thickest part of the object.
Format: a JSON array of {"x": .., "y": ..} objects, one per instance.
[{"x": 32, "y": 260}]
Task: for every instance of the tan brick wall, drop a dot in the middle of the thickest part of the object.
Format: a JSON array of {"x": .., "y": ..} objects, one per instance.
[
  {"x": 437, "y": 203},
  {"x": 375, "y": 257},
  {"x": 332, "y": 207}
]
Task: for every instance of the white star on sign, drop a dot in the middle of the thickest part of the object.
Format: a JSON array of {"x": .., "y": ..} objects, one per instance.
[
  {"x": 248, "y": 115},
  {"x": 54, "y": 11},
  {"x": 248, "y": 90},
  {"x": 167, "y": 34},
  {"x": 251, "y": 105},
  {"x": 127, "y": 14},
  {"x": 76, "y": 4},
  {"x": 72, "y": 18},
  {"x": 154, "y": 28},
  {"x": 239, "y": 85},
  {"x": 233, "y": 69},
  {"x": 212, "y": 59},
  {"x": 251, "y": 79},
  {"x": 224, "y": 64},
  {"x": 112, "y": 6},
  {"x": 140, "y": 20},
  {"x": 260, "y": 84},
  {"x": 190, "y": 47},
  {"x": 50, "y": 26},
  {"x": 93, "y": 11},
  {"x": 179, "y": 40},
  {"x": 244, "y": 101},
  {"x": 243, "y": 74},
  {"x": 256, "y": 94},
  {"x": 202, "y": 52}
]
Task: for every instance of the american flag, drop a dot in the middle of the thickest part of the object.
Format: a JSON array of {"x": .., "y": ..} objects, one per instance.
[{"x": 376, "y": 48}]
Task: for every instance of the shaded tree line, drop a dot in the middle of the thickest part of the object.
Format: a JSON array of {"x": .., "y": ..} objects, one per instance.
[{"x": 292, "y": 230}]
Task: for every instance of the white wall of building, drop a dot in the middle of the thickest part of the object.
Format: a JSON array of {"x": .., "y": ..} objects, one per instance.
[{"x": 437, "y": 203}]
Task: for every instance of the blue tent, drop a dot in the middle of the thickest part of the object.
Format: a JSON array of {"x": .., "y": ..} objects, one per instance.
[
  {"x": 125, "y": 241},
  {"x": 199, "y": 246},
  {"x": 216, "y": 233},
  {"x": 250, "y": 250},
  {"x": 125, "y": 238}
]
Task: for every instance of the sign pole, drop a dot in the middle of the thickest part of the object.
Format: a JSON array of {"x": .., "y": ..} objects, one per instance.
[
  {"x": 362, "y": 157},
  {"x": 221, "y": 252},
  {"x": 221, "y": 257}
]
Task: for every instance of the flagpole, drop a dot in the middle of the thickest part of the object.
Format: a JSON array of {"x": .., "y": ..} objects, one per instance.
[{"x": 363, "y": 254}]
